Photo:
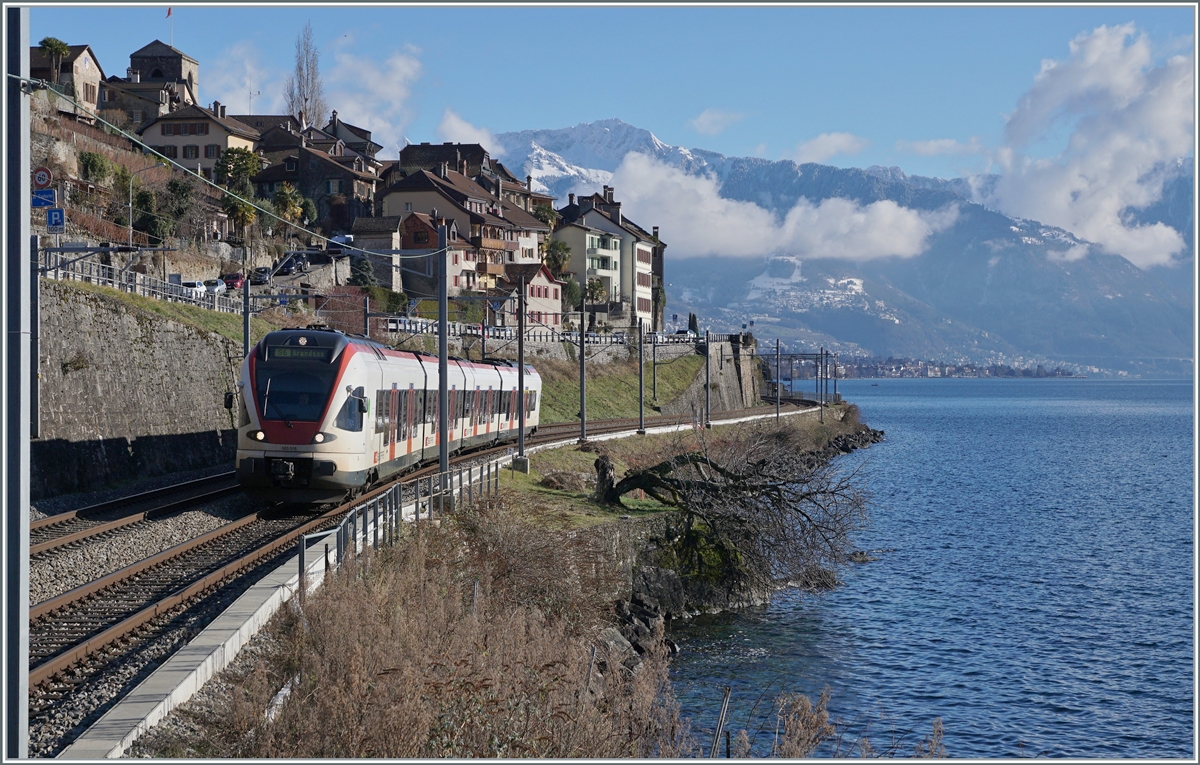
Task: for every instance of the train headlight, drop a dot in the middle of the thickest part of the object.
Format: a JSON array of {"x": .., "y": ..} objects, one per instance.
[
  {"x": 323, "y": 438},
  {"x": 258, "y": 435}
]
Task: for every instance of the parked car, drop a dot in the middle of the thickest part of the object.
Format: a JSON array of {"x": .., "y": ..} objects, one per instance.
[
  {"x": 302, "y": 264},
  {"x": 215, "y": 286},
  {"x": 287, "y": 267},
  {"x": 260, "y": 275},
  {"x": 234, "y": 281},
  {"x": 194, "y": 289}
]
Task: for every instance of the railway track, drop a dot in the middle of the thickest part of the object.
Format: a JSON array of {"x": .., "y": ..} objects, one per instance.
[
  {"x": 57, "y": 531},
  {"x": 76, "y": 637}
]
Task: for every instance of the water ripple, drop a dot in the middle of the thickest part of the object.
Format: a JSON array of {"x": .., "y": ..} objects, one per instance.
[{"x": 1037, "y": 592}]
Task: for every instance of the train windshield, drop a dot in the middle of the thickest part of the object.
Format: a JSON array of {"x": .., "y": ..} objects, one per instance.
[{"x": 287, "y": 392}]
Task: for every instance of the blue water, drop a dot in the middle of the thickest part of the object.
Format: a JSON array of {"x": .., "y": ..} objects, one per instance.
[{"x": 1039, "y": 598}]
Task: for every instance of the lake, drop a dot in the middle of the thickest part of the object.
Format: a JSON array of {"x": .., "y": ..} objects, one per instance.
[{"x": 1037, "y": 594}]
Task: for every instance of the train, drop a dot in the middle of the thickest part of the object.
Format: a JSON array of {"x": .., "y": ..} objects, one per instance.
[{"x": 324, "y": 415}]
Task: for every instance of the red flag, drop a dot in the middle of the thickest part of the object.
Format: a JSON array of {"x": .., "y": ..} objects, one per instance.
[{"x": 168, "y": 11}]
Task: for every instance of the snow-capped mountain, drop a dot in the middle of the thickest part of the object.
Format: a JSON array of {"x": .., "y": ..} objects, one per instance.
[{"x": 988, "y": 287}]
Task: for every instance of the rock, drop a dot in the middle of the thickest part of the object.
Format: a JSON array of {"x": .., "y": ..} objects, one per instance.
[
  {"x": 858, "y": 556},
  {"x": 660, "y": 587},
  {"x": 615, "y": 643},
  {"x": 563, "y": 480}
]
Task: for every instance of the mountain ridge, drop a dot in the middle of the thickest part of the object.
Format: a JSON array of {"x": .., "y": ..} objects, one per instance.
[{"x": 989, "y": 287}]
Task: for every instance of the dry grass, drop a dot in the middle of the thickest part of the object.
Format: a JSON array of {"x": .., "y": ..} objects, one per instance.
[{"x": 469, "y": 640}]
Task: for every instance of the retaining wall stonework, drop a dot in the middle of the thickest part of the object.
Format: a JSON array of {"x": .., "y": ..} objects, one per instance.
[{"x": 125, "y": 394}]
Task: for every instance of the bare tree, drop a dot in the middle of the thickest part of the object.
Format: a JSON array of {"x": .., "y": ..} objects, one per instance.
[
  {"x": 758, "y": 508},
  {"x": 304, "y": 92}
]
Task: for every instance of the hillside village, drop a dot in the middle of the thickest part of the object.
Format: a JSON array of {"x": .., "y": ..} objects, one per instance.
[{"x": 330, "y": 181}]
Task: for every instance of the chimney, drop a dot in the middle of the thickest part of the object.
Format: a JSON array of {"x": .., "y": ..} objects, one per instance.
[
  {"x": 134, "y": 75},
  {"x": 303, "y": 121},
  {"x": 656, "y": 232},
  {"x": 529, "y": 182},
  {"x": 570, "y": 199},
  {"x": 333, "y": 118},
  {"x": 608, "y": 194},
  {"x": 445, "y": 169},
  {"x": 216, "y": 108},
  {"x": 462, "y": 167}
]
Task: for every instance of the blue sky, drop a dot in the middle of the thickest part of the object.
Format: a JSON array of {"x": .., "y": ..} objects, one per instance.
[{"x": 876, "y": 82}]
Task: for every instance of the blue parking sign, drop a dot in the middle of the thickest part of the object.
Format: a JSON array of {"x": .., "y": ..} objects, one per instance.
[{"x": 56, "y": 220}]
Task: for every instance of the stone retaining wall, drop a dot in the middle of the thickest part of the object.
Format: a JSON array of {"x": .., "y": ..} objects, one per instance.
[{"x": 124, "y": 394}]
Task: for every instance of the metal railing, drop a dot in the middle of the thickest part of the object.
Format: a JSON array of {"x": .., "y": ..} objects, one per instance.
[
  {"x": 376, "y": 522},
  {"x": 63, "y": 266}
]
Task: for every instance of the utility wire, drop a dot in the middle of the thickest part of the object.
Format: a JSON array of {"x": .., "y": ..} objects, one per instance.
[{"x": 194, "y": 174}]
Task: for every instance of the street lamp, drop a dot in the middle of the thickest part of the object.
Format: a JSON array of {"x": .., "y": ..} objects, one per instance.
[{"x": 131, "y": 177}]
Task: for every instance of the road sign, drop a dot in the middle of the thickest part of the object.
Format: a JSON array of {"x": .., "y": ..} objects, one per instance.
[
  {"x": 56, "y": 221},
  {"x": 44, "y": 198},
  {"x": 42, "y": 177}
]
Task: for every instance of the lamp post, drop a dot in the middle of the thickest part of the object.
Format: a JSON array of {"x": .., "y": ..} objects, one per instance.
[{"x": 131, "y": 177}]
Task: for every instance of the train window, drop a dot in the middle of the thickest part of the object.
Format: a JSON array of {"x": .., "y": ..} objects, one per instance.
[
  {"x": 286, "y": 393},
  {"x": 533, "y": 401},
  {"x": 350, "y": 416}
]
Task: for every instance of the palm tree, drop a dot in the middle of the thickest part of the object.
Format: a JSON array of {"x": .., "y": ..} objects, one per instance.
[
  {"x": 56, "y": 50},
  {"x": 558, "y": 255},
  {"x": 596, "y": 291}
]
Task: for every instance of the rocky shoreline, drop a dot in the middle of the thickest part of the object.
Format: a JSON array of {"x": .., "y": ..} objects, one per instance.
[{"x": 659, "y": 595}]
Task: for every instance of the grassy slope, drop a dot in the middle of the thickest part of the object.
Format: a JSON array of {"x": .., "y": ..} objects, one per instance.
[
  {"x": 567, "y": 509},
  {"x": 612, "y": 389},
  {"x": 226, "y": 324}
]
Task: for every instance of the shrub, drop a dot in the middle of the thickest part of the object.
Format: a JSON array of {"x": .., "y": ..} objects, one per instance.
[{"x": 94, "y": 166}]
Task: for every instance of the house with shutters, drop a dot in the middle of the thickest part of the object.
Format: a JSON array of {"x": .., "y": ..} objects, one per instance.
[
  {"x": 418, "y": 237},
  {"x": 160, "y": 79},
  {"x": 195, "y": 136},
  {"x": 340, "y": 181},
  {"x": 543, "y": 294},
  {"x": 606, "y": 245},
  {"x": 79, "y": 76}
]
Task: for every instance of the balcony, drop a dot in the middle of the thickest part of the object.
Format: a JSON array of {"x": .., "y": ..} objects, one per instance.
[
  {"x": 493, "y": 269},
  {"x": 487, "y": 243}
]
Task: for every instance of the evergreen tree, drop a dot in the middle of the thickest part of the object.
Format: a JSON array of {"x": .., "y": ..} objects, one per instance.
[{"x": 693, "y": 323}]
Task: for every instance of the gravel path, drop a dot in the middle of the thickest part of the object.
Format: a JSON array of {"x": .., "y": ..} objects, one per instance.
[{"x": 53, "y": 574}]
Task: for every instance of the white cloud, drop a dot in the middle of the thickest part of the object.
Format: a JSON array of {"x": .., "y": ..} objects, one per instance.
[
  {"x": 696, "y": 220},
  {"x": 828, "y": 145},
  {"x": 941, "y": 146},
  {"x": 714, "y": 121},
  {"x": 1125, "y": 115},
  {"x": 372, "y": 93},
  {"x": 236, "y": 74},
  {"x": 455, "y": 128}
]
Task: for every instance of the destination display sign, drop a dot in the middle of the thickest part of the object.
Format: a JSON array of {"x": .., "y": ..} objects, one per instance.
[{"x": 293, "y": 353}]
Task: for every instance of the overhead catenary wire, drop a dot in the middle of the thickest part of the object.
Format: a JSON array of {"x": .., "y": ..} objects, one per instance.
[{"x": 172, "y": 163}]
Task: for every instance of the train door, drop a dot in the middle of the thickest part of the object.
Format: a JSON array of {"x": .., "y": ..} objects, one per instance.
[
  {"x": 409, "y": 421},
  {"x": 393, "y": 410},
  {"x": 491, "y": 409},
  {"x": 452, "y": 415}
]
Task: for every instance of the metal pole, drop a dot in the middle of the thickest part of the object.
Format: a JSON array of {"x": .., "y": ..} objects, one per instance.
[
  {"x": 16, "y": 395},
  {"x": 582, "y": 360},
  {"x": 443, "y": 356},
  {"x": 521, "y": 371},
  {"x": 820, "y": 392},
  {"x": 654, "y": 367},
  {"x": 707, "y": 386},
  {"x": 777, "y": 385},
  {"x": 835, "y": 375},
  {"x": 641, "y": 380},
  {"x": 367, "y": 315},
  {"x": 245, "y": 310},
  {"x": 35, "y": 326}
]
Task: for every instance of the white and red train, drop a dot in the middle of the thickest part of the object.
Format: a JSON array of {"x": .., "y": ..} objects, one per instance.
[{"x": 325, "y": 415}]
